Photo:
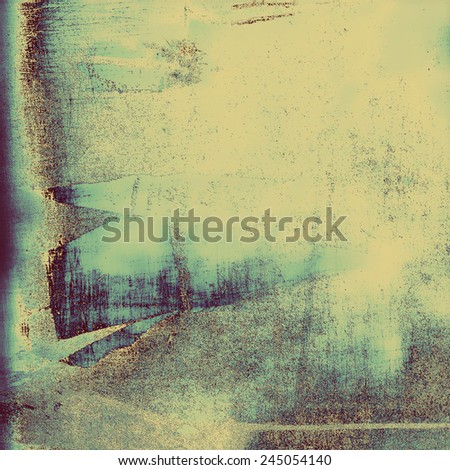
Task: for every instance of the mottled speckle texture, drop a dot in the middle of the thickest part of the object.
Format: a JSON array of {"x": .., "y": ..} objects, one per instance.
[{"x": 311, "y": 104}]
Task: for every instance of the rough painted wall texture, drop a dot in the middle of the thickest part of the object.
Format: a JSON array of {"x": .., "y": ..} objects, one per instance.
[{"x": 231, "y": 109}]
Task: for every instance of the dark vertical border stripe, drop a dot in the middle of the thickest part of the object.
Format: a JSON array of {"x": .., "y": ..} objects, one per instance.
[{"x": 6, "y": 211}]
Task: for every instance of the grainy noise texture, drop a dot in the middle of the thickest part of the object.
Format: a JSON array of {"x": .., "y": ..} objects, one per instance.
[
  {"x": 309, "y": 108},
  {"x": 7, "y": 247}
]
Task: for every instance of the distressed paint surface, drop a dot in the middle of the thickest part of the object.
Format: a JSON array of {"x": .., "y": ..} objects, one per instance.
[{"x": 230, "y": 108}]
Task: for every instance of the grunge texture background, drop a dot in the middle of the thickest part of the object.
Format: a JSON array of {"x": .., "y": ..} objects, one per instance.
[{"x": 294, "y": 106}]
